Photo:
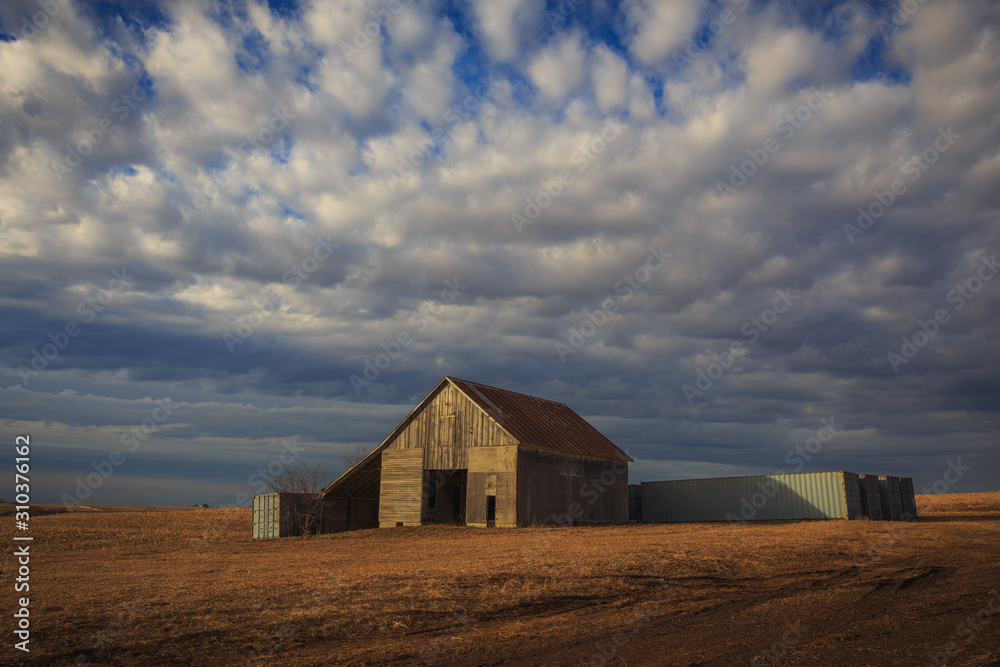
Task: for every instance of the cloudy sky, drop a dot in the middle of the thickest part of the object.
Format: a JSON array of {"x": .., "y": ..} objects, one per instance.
[{"x": 712, "y": 227}]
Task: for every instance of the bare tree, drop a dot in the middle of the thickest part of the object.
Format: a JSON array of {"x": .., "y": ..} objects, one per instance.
[
  {"x": 299, "y": 477},
  {"x": 354, "y": 456}
]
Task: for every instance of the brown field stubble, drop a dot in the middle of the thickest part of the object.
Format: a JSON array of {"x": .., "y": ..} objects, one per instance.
[{"x": 191, "y": 588}]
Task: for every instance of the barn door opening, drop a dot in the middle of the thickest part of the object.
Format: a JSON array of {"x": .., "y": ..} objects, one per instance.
[
  {"x": 444, "y": 496},
  {"x": 491, "y": 511},
  {"x": 457, "y": 506}
]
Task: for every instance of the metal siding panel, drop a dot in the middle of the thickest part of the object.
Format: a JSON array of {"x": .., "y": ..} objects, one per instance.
[
  {"x": 872, "y": 497},
  {"x": 909, "y": 499},
  {"x": 258, "y": 517},
  {"x": 762, "y": 497},
  {"x": 265, "y": 516},
  {"x": 892, "y": 497},
  {"x": 634, "y": 502},
  {"x": 281, "y": 514},
  {"x": 854, "y": 496}
]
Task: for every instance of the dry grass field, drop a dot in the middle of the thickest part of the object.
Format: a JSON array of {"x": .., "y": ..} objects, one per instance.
[{"x": 191, "y": 588}]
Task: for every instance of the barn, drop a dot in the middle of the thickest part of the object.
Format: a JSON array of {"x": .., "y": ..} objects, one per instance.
[{"x": 482, "y": 456}]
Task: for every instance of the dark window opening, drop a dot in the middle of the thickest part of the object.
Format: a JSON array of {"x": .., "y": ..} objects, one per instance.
[{"x": 491, "y": 510}]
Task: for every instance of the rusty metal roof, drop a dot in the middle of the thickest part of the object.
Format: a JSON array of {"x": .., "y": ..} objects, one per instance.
[
  {"x": 533, "y": 422},
  {"x": 536, "y": 422}
]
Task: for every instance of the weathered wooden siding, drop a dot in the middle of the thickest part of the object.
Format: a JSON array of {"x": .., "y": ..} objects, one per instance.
[
  {"x": 492, "y": 472},
  {"x": 402, "y": 484},
  {"x": 340, "y": 514},
  {"x": 446, "y": 428},
  {"x": 562, "y": 489}
]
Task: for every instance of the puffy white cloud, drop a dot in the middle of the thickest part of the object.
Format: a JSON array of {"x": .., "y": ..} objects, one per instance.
[
  {"x": 558, "y": 69},
  {"x": 609, "y": 76},
  {"x": 429, "y": 84},
  {"x": 506, "y": 24},
  {"x": 661, "y": 27}
]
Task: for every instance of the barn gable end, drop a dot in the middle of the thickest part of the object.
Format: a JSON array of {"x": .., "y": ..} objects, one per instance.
[
  {"x": 474, "y": 454},
  {"x": 446, "y": 426}
]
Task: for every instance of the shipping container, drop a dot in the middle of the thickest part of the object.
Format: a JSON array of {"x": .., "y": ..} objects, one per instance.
[
  {"x": 871, "y": 496},
  {"x": 285, "y": 514},
  {"x": 852, "y": 494},
  {"x": 892, "y": 498},
  {"x": 909, "y": 499},
  {"x": 820, "y": 495},
  {"x": 635, "y": 502}
]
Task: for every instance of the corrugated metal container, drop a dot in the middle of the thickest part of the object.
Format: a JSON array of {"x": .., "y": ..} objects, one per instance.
[
  {"x": 871, "y": 497},
  {"x": 852, "y": 494},
  {"x": 635, "y": 502},
  {"x": 909, "y": 499},
  {"x": 818, "y": 495},
  {"x": 284, "y": 514},
  {"x": 892, "y": 497}
]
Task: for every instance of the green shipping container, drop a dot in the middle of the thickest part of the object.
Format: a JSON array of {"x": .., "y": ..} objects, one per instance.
[
  {"x": 285, "y": 514},
  {"x": 815, "y": 495}
]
